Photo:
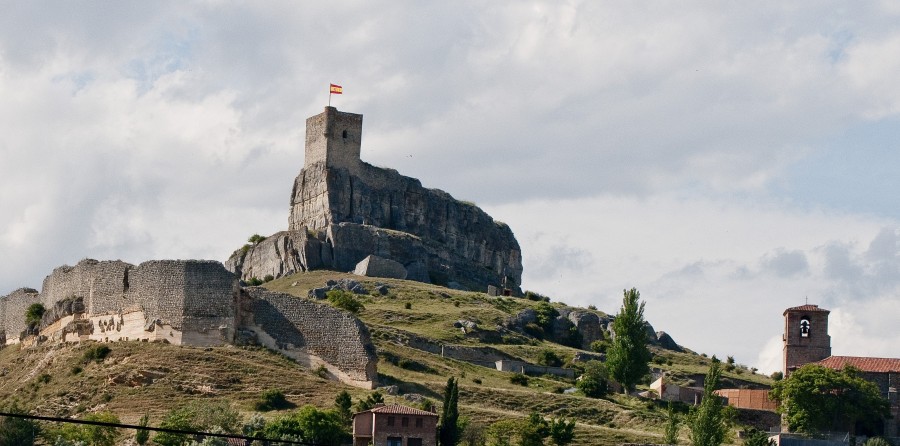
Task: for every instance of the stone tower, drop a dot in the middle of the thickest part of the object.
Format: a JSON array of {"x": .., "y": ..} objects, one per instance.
[
  {"x": 333, "y": 137},
  {"x": 805, "y": 336}
]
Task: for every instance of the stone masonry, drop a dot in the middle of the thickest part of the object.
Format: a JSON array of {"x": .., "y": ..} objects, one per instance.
[
  {"x": 343, "y": 210},
  {"x": 186, "y": 302}
]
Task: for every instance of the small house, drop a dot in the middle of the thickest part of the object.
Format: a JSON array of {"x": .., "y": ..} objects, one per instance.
[{"x": 395, "y": 425}]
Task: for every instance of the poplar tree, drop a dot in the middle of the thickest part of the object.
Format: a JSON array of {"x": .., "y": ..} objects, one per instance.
[
  {"x": 710, "y": 421},
  {"x": 449, "y": 431},
  {"x": 628, "y": 357}
]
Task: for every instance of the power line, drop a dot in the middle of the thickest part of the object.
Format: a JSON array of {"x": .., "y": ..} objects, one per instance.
[{"x": 154, "y": 429}]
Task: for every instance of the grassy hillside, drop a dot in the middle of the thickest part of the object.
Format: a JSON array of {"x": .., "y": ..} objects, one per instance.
[{"x": 138, "y": 378}]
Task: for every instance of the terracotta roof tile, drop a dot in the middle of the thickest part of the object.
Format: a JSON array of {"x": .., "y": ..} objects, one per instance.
[
  {"x": 877, "y": 365},
  {"x": 400, "y": 410},
  {"x": 807, "y": 307}
]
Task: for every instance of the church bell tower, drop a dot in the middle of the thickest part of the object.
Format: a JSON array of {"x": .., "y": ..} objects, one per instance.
[{"x": 805, "y": 336}]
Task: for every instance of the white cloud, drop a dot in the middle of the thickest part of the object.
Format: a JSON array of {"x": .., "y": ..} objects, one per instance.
[{"x": 626, "y": 144}]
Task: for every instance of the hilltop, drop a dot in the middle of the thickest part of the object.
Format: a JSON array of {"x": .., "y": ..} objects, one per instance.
[{"x": 137, "y": 378}]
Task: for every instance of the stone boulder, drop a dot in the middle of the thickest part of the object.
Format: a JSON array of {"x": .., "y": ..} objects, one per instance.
[
  {"x": 665, "y": 341},
  {"x": 588, "y": 324},
  {"x": 374, "y": 266}
]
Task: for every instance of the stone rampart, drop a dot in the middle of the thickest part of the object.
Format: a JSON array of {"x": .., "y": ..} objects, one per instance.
[
  {"x": 102, "y": 285},
  {"x": 15, "y": 305},
  {"x": 312, "y": 333}
]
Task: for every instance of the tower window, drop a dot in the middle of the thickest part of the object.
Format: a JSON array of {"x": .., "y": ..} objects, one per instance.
[
  {"x": 344, "y": 135},
  {"x": 804, "y": 328}
]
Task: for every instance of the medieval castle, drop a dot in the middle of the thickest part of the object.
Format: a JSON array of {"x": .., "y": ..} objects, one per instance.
[{"x": 343, "y": 212}]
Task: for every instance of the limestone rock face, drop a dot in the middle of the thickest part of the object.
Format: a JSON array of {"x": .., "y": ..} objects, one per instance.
[
  {"x": 369, "y": 210},
  {"x": 374, "y": 266}
]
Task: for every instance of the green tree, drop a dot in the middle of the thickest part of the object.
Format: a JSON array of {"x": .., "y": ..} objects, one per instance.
[
  {"x": 89, "y": 434},
  {"x": 534, "y": 430},
  {"x": 545, "y": 315},
  {"x": 197, "y": 416},
  {"x": 628, "y": 356},
  {"x": 33, "y": 314},
  {"x": 449, "y": 430},
  {"x": 562, "y": 431},
  {"x": 819, "y": 398},
  {"x": 756, "y": 437},
  {"x": 342, "y": 404},
  {"x": 549, "y": 358},
  {"x": 594, "y": 381},
  {"x": 308, "y": 424},
  {"x": 271, "y": 399},
  {"x": 345, "y": 301},
  {"x": 370, "y": 401},
  {"x": 255, "y": 239},
  {"x": 142, "y": 435},
  {"x": 710, "y": 422},
  {"x": 670, "y": 435},
  {"x": 501, "y": 433},
  {"x": 17, "y": 431}
]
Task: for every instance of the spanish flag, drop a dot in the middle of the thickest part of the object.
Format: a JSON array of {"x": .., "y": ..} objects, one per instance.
[{"x": 336, "y": 89}]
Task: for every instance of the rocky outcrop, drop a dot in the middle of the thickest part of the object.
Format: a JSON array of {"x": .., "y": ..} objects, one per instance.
[
  {"x": 344, "y": 210},
  {"x": 374, "y": 266}
]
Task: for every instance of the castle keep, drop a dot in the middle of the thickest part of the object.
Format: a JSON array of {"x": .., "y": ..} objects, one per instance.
[{"x": 344, "y": 210}]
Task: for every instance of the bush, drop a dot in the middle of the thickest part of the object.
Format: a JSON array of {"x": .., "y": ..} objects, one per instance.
[
  {"x": 254, "y": 281},
  {"x": 268, "y": 278},
  {"x": 255, "y": 239},
  {"x": 594, "y": 381},
  {"x": 777, "y": 376},
  {"x": 407, "y": 305},
  {"x": 345, "y": 301},
  {"x": 95, "y": 353},
  {"x": 537, "y": 297},
  {"x": 549, "y": 358},
  {"x": 33, "y": 314},
  {"x": 519, "y": 379},
  {"x": 599, "y": 346},
  {"x": 534, "y": 330},
  {"x": 272, "y": 399}
]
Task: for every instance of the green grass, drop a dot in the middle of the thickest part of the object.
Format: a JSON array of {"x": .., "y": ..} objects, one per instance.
[{"x": 137, "y": 378}]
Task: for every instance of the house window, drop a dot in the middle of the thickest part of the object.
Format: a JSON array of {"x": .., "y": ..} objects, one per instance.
[
  {"x": 418, "y": 422},
  {"x": 413, "y": 442},
  {"x": 390, "y": 421},
  {"x": 404, "y": 422},
  {"x": 804, "y": 328},
  {"x": 396, "y": 441}
]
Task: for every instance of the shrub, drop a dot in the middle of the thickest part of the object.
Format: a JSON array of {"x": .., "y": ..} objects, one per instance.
[
  {"x": 592, "y": 307},
  {"x": 268, "y": 278},
  {"x": 345, "y": 301},
  {"x": 255, "y": 239},
  {"x": 272, "y": 399},
  {"x": 534, "y": 330},
  {"x": 537, "y": 297},
  {"x": 549, "y": 358},
  {"x": 476, "y": 380},
  {"x": 594, "y": 381},
  {"x": 519, "y": 379},
  {"x": 777, "y": 376},
  {"x": 407, "y": 305},
  {"x": 33, "y": 314},
  {"x": 43, "y": 378},
  {"x": 254, "y": 281},
  {"x": 95, "y": 353},
  {"x": 599, "y": 346}
]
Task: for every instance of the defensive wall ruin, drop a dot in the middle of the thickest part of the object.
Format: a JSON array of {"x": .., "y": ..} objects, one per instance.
[{"x": 186, "y": 302}]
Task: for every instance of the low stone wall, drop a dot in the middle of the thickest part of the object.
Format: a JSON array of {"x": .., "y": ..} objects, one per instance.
[
  {"x": 756, "y": 399},
  {"x": 312, "y": 333}
]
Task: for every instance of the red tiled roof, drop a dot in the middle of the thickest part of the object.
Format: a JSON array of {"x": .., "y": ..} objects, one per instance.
[
  {"x": 807, "y": 307},
  {"x": 400, "y": 410},
  {"x": 877, "y": 365}
]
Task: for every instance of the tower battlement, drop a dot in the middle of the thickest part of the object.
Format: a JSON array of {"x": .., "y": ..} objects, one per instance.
[{"x": 334, "y": 138}]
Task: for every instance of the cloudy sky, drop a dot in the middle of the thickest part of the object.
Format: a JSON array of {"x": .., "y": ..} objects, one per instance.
[{"x": 728, "y": 159}]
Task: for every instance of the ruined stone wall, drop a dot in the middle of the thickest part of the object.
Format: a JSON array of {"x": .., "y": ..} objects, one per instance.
[
  {"x": 16, "y": 303},
  {"x": 300, "y": 325},
  {"x": 210, "y": 297},
  {"x": 102, "y": 284},
  {"x": 158, "y": 287}
]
